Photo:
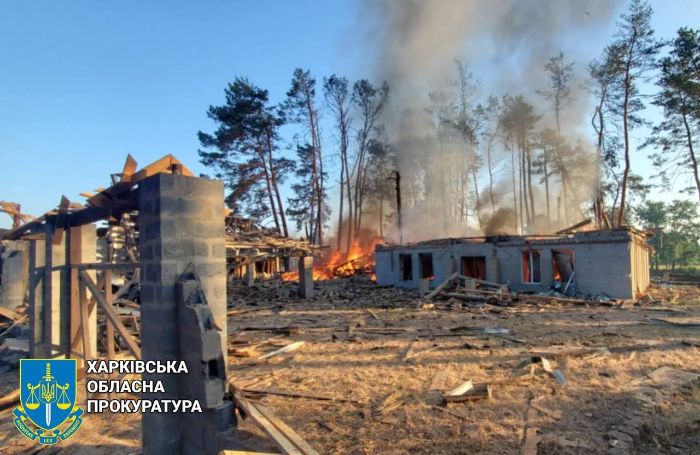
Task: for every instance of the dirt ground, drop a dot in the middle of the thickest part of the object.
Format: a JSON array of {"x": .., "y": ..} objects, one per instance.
[{"x": 383, "y": 361}]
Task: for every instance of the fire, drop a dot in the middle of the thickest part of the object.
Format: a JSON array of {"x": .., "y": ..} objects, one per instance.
[{"x": 359, "y": 259}]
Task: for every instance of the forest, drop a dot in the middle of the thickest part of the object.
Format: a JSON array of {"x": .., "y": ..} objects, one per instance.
[{"x": 472, "y": 163}]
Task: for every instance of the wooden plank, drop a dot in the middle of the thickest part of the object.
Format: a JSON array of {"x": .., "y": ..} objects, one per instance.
[
  {"x": 535, "y": 404},
  {"x": 289, "y": 348},
  {"x": 575, "y": 226},
  {"x": 8, "y": 314},
  {"x": 129, "y": 168},
  {"x": 531, "y": 436},
  {"x": 461, "y": 389},
  {"x": 107, "y": 266},
  {"x": 279, "y": 438},
  {"x": 245, "y": 452},
  {"x": 111, "y": 315},
  {"x": 482, "y": 282},
  {"x": 48, "y": 292},
  {"x": 108, "y": 300},
  {"x": 441, "y": 286},
  {"x": 297, "y": 440},
  {"x": 309, "y": 396},
  {"x": 163, "y": 165},
  {"x": 531, "y": 441},
  {"x": 478, "y": 392},
  {"x": 84, "y": 321}
]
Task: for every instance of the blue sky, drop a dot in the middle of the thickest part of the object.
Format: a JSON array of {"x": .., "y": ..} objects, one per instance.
[{"x": 83, "y": 83}]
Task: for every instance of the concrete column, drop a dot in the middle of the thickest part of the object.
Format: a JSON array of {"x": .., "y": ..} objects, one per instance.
[
  {"x": 249, "y": 279},
  {"x": 180, "y": 226},
  {"x": 423, "y": 286},
  {"x": 306, "y": 277},
  {"x": 15, "y": 274}
]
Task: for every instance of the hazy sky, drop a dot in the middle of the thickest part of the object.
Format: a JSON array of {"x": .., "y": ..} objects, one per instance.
[{"x": 83, "y": 83}]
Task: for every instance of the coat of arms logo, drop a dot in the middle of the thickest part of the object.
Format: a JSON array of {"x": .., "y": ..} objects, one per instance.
[{"x": 48, "y": 410}]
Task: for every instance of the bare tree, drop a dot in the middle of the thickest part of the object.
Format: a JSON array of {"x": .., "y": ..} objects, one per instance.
[
  {"x": 558, "y": 93},
  {"x": 369, "y": 101},
  {"x": 338, "y": 99},
  {"x": 301, "y": 107}
]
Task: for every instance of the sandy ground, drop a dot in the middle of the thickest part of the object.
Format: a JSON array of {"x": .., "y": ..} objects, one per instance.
[{"x": 375, "y": 348}]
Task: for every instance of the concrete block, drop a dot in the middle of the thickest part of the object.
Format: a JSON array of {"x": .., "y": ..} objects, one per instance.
[
  {"x": 306, "y": 277},
  {"x": 249, "y": 279},
  {"x": 15, "y": 274},
  {"x": 177, "y": 235}
]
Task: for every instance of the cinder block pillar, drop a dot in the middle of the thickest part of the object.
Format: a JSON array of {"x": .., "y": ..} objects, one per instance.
[
  {"x": 15, "y": 274},
  {"x": 200, "y": 348},
  {"x": 249, "y": 274},
  {"x": 180, "y": 224},
  {"x": 306, "y": 277}
]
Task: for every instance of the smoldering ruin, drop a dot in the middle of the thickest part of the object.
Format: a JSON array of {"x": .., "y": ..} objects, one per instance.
[{"x": 276, "y": 320}]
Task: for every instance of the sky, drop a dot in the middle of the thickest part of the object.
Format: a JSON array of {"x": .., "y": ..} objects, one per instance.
[{"x": 84, "y": 83}]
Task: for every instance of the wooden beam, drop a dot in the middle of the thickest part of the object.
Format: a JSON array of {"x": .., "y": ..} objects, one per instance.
[
  {"x": 48, "y": 292},
  {"x": 286, "y": 439},
  {"x": 84, "y": 321},
  {"x": 106, "y": 266},
  {"x": 441, "y": 286},
  {"x": 107, "y": 274},
  {"x": 129, "y": 168},
  {"x": 77, "y": 296},
  {"x": 111, "y": 315},
  {"x": 163, "y": 165},
  {"x": 573, "y": 227}
]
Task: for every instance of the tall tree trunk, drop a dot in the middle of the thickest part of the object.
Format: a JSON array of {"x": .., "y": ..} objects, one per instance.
[
  {"x": 348, "y": 183},
  {"x": 381, "y": 216},
  {"x": 625, "y": 173},
  {"x": 691, "y": 150},
  {"x": 520, "y": 193},
  {"x": 546, "y": 181},
  {"x": 529, "y": 181},
  {"x": 339, "y": 239},
  {"x": 275, "y": 187},
  {"x": 601, "y": 218},
  {"x": 625, "y": 129},
  {"x": 321, "y": 192},
  {"x": 515, "y": 193},
  {"x": 490, "y": 166},
  {"x": 477, "y": 209},
  {"x": 268, "y": 186},
  {"x": 523, "y": 185}
]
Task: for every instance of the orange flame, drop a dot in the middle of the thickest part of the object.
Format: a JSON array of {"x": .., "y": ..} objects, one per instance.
[{"x": 359, "y": 259}]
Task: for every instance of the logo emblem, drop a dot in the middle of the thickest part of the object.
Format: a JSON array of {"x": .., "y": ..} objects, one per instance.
[{"x": 48, "y": 410}]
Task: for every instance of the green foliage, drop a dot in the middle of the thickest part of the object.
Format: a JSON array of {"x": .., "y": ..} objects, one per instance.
[
  {"x": 674, "y": 138},
  {"x": 302, "y": 202},
  {"x": 243, "y": 150},
  {"x": 677, "y": 231}
]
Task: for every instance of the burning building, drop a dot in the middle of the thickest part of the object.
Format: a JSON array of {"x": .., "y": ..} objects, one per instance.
[{"x": 612, "y": 263}]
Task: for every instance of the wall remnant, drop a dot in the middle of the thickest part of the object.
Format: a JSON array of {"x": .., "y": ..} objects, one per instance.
[{"x": 612, "y": 263}]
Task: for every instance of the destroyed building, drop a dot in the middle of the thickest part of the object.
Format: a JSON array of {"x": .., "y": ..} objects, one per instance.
[{"x": 609, "y": 263}]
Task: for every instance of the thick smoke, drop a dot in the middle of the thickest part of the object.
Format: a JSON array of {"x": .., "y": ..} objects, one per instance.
[{"x": 505, "y": 44}]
